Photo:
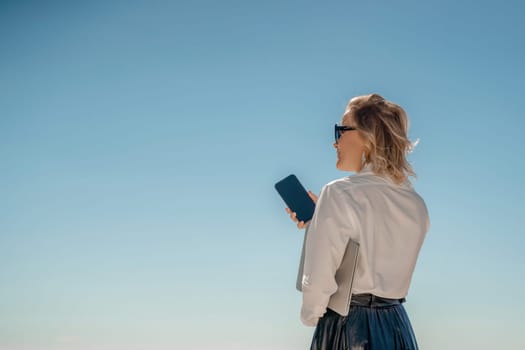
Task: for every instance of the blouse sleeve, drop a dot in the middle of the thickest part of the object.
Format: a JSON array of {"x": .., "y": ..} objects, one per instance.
[{"x": 333, "y": 224}]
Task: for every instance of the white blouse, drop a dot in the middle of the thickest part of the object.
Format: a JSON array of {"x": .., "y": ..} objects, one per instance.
[{"x": 390, "y": 223}]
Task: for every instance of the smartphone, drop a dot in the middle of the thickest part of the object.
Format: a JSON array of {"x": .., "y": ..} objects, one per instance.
[{"x": 296, "y": 197}]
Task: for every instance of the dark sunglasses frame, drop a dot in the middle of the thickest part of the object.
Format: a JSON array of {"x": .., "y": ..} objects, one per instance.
[{"x": 340, "y": 129}]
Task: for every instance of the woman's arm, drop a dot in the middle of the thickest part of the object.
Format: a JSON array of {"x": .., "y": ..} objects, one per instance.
[{"x": 331, "y": 227}]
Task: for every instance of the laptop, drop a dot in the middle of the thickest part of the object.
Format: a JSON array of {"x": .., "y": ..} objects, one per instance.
[{"x": 344, "y": 276}]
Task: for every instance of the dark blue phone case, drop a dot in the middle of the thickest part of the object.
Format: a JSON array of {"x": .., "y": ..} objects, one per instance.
[{"x": 296, "y": 197}]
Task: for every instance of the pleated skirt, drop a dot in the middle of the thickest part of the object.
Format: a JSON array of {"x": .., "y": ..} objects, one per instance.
[{"x": 365, "y": 328}]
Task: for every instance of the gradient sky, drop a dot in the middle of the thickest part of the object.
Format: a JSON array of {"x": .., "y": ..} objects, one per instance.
[{"x": 140, "y": 142}]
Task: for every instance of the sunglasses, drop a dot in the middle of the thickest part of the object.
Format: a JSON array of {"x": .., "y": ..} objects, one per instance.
[{"x": 340, "y": 129}]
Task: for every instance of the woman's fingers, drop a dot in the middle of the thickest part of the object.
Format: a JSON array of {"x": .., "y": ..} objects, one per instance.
[
  {"x": 303, "y": 224},
  {"x": 293, "y": 215}
]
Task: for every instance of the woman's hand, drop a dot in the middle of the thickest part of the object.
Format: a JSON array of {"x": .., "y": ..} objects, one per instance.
[{"x": 301, "y": 224}]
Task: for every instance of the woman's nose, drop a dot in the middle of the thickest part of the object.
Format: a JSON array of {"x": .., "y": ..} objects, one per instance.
[{"x": 335, "y": 145}]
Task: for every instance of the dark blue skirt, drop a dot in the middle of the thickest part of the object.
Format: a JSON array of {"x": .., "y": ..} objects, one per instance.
[{"x": 365, "y": 328}]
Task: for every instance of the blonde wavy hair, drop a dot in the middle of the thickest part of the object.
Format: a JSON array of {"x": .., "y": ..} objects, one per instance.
[{"x": 384, "y": 126}]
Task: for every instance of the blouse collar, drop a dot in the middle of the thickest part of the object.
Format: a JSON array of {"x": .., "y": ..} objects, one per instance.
[{"x": 366, "y": 169}]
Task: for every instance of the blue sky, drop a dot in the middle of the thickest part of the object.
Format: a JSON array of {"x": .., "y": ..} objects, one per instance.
[{"x": 140, "y": 142}]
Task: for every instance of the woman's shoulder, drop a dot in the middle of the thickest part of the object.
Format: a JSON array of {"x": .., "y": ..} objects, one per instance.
[
  {"x": 353, "y": 182},
  {"x": 363, "y": 185},
  {"x": 346, "y": 186}
]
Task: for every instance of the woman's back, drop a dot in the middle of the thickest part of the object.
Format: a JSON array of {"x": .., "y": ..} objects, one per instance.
[{"x": 390, "y": 223}]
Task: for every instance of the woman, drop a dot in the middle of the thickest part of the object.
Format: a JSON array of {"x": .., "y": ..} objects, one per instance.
[{"x": 378, "y": 208}]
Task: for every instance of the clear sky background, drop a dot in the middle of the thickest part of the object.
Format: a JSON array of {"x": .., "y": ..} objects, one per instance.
[{"x": 140, "y": 142}]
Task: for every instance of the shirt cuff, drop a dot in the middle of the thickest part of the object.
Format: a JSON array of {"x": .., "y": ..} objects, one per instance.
[{"x": 311, "y": 317}]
